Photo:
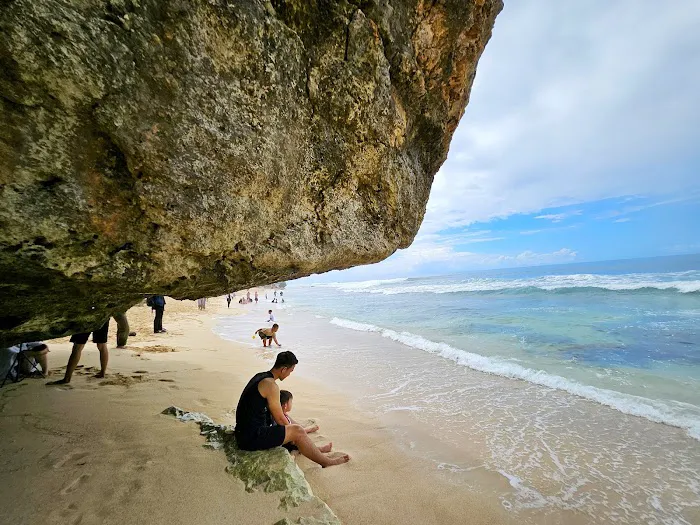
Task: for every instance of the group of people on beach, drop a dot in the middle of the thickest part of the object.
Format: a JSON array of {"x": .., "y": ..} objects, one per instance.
[{"x": 262, "y": 414}]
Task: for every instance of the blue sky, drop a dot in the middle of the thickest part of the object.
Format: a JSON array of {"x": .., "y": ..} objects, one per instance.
[{"x": 581, "y": 142}]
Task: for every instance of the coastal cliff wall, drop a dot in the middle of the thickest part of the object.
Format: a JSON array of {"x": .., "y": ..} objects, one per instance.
[{"x": 195, "y": 147}]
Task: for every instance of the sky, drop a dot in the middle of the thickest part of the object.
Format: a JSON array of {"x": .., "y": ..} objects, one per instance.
[{"x": 581, "y": 142}]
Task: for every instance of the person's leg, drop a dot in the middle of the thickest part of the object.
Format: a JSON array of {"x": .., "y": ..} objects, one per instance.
[
  {"x": 122, "y": 329},
  {"x": 39, "y": 356},
  {"x": 43, "y": 360},
  {"x": 73, "y": 361},
  {"x": 104, "y": 359},
  {"x": 158, "y": 321},
  {"x": 297, "y": 435}
]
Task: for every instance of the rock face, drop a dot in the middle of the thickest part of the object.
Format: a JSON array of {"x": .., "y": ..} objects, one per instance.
[
  {"x": 195, "y": 147},
  {"x": 272, "y": 470}
]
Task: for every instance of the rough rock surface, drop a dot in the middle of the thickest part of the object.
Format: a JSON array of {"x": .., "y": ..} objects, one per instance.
[
  {"x": 194, "y": 147},
  {"x": 271, "y": 470}
]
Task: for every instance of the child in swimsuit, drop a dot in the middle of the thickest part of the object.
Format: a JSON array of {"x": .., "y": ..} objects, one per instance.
[{"x": 286, "y": 402}]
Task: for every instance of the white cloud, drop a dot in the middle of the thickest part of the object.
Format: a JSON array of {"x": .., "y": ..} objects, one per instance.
[
  {"x": 573, "y": 102},
  {"x": 691, "y": 196},
  {"x": 558, "y": 217},
  {"x": 624, "y": 219},
  {"x": 437, "y": 257}
]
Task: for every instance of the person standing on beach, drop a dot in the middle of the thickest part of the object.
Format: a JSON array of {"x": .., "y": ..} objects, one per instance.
[
  {"x": 158, "y": 302},
  {"x": 228, "y": 300},
  {"x": 99, "y": 337},
  {"x": 268, "y": 335},
  {"x": 259, "y": 405},
  {"x": 256, "y": 297}
]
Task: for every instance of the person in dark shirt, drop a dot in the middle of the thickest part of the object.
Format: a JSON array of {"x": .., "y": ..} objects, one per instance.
[
  {"x": 158, "y": 302},
  {"x": 260, "y": 405}
]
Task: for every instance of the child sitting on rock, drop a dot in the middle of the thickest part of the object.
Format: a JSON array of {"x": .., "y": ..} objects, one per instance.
[
  {"x": 286, "y": 402},
  {"x": 286, "y": 399}
]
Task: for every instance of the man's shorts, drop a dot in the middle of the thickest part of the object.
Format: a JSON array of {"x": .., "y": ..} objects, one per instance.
[
  {"x": 261, "y": 438},
  {"x": 264, "y": 336},
  {"x": 98, "y": 336}
]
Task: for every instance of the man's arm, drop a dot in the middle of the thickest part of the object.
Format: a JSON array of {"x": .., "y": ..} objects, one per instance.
[
  {"x": 271, "y": 392},
  {"x": 274, "y": 337}
]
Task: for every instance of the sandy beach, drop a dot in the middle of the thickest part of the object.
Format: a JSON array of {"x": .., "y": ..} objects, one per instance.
[{"x": 100, "y": 451}]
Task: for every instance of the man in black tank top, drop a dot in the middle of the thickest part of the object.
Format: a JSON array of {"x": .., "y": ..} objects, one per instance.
[{"x": 259, "y": 406}]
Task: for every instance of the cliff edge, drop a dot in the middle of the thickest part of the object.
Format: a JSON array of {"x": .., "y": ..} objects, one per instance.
[{"x": 195, "y": 147}]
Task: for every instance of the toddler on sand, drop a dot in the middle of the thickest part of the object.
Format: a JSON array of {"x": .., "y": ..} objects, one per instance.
[{"x": 286, "y": 400}]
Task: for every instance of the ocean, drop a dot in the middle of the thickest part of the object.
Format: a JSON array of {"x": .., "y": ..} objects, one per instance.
[{"x": 577, "y": 386}]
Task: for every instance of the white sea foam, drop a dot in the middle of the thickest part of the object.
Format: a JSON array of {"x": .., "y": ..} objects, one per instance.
[
  {"x": 359, "y": 285},
  {"x": 653, "y": 410},
  {"x": 627, "y": 282}
]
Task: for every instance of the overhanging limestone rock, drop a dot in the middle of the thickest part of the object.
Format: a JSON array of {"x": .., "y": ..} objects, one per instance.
[
  {"x": 273, "y": 470},
  {"x": 194, "y": 147}
]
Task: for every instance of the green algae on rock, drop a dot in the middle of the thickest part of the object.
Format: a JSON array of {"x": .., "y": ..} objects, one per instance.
[
  {"x": 271, "y": 470},
  {"x": 193, "y": 148}
]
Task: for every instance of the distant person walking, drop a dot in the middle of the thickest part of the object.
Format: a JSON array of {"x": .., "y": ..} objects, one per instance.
[
  {"x": 275, "y": 293},
  {"x": 158, "y": 305},
  {"x": 202, "y": 303},
  {"x": 228, "y": 300},
  {"x": 256, "y": 297}
]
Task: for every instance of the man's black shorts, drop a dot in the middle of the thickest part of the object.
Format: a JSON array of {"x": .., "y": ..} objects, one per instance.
[
  {"x": 261, "y": 438},
  {"x": 98, "y": 336}
]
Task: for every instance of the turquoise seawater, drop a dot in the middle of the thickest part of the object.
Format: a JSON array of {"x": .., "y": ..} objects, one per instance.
[
  {"x": 629, "y": 326},
  {"x": 577, "y": 386}
]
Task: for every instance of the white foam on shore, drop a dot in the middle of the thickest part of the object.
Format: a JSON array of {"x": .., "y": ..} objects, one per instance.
[
  {"x": 618, "y": 283},
  {"x": 359, "y": 285},
  {"x": 653, "y": 410}
]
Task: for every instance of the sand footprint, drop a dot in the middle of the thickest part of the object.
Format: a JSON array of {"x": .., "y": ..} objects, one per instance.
[
  {"x": 75, "y": 484},
  {"x": 76, "y": 456}
]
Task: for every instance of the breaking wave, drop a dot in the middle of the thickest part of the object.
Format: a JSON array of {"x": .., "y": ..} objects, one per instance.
[
  {"x": 548, "y": 283},
  {"x": 657, "y": 411}
]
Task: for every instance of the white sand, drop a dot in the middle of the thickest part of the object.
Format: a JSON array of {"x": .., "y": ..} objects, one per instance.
[{"x": 99, "y": 451}]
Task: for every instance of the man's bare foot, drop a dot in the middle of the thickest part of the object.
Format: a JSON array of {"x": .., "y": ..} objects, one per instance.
[
  {"x": 99, "y": 375},
  {"x": 337, "y": 458},
  {"x": 58, "y": 382},
  {"x": 326, "y": 448},
  {"x": 312, "y": 429}
]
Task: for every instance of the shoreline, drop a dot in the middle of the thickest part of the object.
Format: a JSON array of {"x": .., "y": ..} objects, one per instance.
[
  {"x": 543, "y": 454},
  {"x": 105, "y": 452}
]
